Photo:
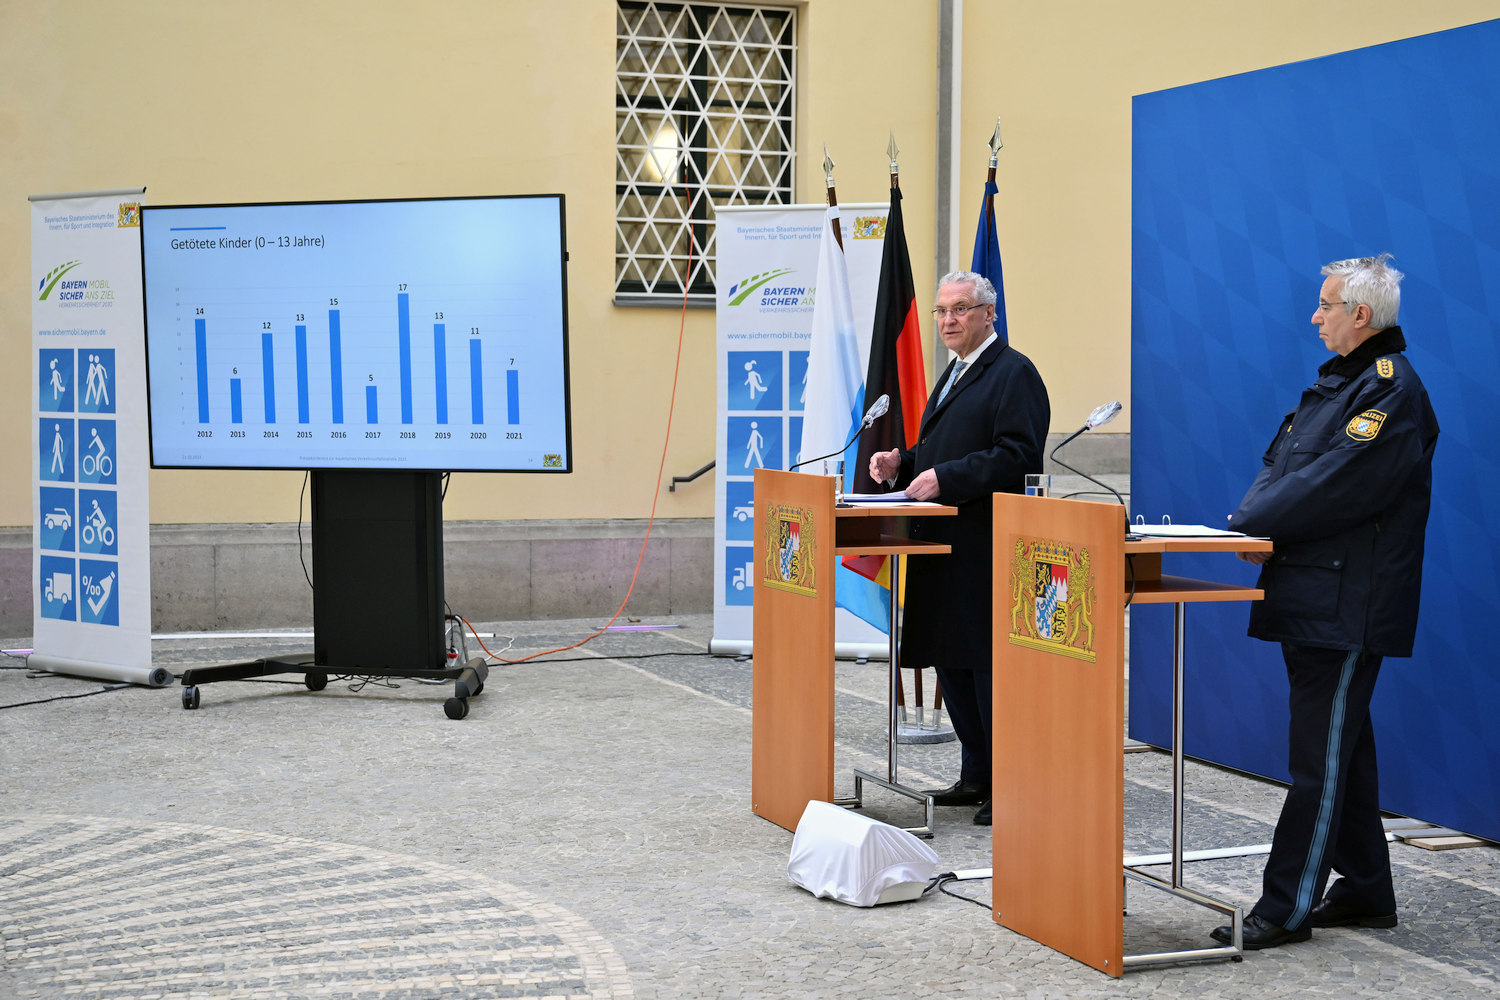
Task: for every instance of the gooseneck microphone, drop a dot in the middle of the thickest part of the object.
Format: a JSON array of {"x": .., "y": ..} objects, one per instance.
[
  {"x": 1101, "y": 414},
  {"x": 877, "y": 409}
]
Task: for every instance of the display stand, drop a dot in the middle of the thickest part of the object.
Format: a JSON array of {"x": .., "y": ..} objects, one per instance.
[
  {"x": 799, "y": 532},
  {"x": 377, "y": 541},
  {"x": 1061, "y": 584}
]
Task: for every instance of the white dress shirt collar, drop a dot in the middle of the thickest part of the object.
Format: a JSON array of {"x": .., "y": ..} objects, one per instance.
[{"x": 973, "y": 355}]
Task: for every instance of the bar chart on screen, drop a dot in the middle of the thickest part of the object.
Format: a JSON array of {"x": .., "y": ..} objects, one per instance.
[
  {"x": 444, "y": 378},
  {"x": 382, "y": 335}
]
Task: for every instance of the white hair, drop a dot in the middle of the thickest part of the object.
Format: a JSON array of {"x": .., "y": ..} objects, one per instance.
[
  {"x": 1370, "y": 281},
  {"x": 983, "y": 290}
]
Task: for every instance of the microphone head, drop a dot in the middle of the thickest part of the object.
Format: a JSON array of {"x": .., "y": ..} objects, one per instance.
[
  {"x": 877, "y": 409},
  {"x": 1103, "y": 414}
]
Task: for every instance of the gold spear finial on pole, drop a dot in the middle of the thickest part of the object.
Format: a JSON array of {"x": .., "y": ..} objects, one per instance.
[
  {"x": 893, "y": 151},
  {"x": 833, "y": 195},
  {"x": 995, "y": 144}
]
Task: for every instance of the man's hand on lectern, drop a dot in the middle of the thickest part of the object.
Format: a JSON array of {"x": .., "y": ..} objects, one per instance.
[
  {"x": 924, "y": 487},
  {"x": 884, "y": 465}
]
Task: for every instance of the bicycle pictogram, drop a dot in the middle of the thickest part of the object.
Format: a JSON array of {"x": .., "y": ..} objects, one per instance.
[{"x": 97, "y": 459}]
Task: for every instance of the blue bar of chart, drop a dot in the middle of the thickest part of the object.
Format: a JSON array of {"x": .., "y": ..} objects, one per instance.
[
  {"x": 440, "y": 369},
  {"x": 403, "y": 333},
  {"x": 476, "y": 382},
  {"x": 372, "y": 411},
  {"x": 200, "y": 340},
  {"x": 303, "y": 408},
  {"x": 335, "y": 367},
  {"x": 268, "y": 369},
  {"x": 236, "y": 411},
  {"x": 512, "y": 396}
]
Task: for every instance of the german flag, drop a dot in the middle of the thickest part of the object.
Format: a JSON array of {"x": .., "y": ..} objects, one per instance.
[{"x": 895, "y": 369}]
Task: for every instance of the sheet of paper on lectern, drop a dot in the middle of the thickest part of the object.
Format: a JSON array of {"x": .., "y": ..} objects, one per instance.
[{"x": 1184, "y": 531}]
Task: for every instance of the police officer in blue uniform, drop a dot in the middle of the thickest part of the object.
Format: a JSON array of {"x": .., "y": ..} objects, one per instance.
[{"x": 1344, "y": 495}]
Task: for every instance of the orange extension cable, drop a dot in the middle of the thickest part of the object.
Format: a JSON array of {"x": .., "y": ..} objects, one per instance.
[{"x": 656, "y": 494}]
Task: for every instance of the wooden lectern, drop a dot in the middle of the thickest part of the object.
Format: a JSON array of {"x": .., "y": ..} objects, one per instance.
[
  {"x": 1061, "y": 582},
  {"x": 799, "y": 532}
]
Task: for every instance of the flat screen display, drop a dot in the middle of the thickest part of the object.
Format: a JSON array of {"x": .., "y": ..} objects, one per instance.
[{"x": 415, "y": 334}]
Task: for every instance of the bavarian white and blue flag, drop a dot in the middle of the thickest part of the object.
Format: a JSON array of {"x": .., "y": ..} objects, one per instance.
[{"x": 835, "y": 395}]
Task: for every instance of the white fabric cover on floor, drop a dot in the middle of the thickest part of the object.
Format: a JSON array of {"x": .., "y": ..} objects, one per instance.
[{"x": 857, "y": 860}]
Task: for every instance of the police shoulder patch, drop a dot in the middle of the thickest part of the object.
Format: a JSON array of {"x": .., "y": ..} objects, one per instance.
[
  {"x": 1385, "y": 368},
  {"x": 1365, "y": 426}
]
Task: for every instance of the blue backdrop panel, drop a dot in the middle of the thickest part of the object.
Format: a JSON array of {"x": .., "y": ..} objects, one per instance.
[{"x": 1243, "y": 188}]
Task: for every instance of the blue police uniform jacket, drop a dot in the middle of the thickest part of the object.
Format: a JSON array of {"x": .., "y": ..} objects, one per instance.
[{"x": 1344, "y": 495}]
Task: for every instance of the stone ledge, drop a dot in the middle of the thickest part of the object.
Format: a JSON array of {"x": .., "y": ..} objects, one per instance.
[{"x": 220, "y": 576}]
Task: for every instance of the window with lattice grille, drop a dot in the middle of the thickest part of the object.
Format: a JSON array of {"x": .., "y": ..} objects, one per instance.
[{"x": 704, "y": 101}]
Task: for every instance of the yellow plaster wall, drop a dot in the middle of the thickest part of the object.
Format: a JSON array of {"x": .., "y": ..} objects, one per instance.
[
  {"x": 290, "y": 100},
  {"x": 284, "y": 99}
]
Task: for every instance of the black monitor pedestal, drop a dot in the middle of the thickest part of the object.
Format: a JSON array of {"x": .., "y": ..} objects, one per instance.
[
  {"x": 377, "y": 540},
  {"x": 378, "y": 569}
]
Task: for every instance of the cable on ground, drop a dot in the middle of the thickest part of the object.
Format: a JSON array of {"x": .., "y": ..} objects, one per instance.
[
  {"x": 941, "y": 882},
  {"x": 655, "y": 496}
]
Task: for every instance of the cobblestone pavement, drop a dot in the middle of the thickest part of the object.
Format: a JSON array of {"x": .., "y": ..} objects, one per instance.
[{"x": 585, "y": 832}]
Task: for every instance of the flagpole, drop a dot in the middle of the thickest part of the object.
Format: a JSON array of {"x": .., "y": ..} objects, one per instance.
[
  {"x": 833, "y": 195},
  {"x": 986, "y": 243},
  {"x": 893, "y": 626},
  {"x": 989, "y": 178}
]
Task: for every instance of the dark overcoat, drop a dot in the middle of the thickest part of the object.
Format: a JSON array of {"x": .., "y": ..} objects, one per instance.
[
  {"x": 983, "y": 439},
  {"x": 1344, "y": 492}
]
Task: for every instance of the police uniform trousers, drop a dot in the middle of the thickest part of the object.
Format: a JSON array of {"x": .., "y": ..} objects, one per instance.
[
  {"x": 1331, "y": 817},
  {"x": 968, "y": 697}
]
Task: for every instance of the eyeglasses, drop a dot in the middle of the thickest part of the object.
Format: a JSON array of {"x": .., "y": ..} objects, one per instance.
[
  {"x": 957, "y": 312},
  {"x": 1323, "y": 307}
]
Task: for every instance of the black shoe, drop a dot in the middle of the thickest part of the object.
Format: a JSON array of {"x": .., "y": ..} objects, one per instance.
[
  {"x": 960, "y": 793},
  {"x": 1331, "y": 913},
  {"x": 1259, "y": 933},
  {"x": 985, "y": 815}
]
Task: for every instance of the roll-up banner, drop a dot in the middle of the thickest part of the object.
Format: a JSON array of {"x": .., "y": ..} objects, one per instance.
[
  {"x": 91, "y": 561},
  {"x": 767, "y": 273}
]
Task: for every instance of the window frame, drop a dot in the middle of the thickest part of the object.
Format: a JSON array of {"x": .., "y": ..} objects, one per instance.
[{"x": 684, "y": 75}]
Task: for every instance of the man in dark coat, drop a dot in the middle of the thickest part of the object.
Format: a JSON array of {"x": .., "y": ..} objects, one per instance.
[
  {"x": 982, "y": 432},
  {"x": 1343, "y": 494}
]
